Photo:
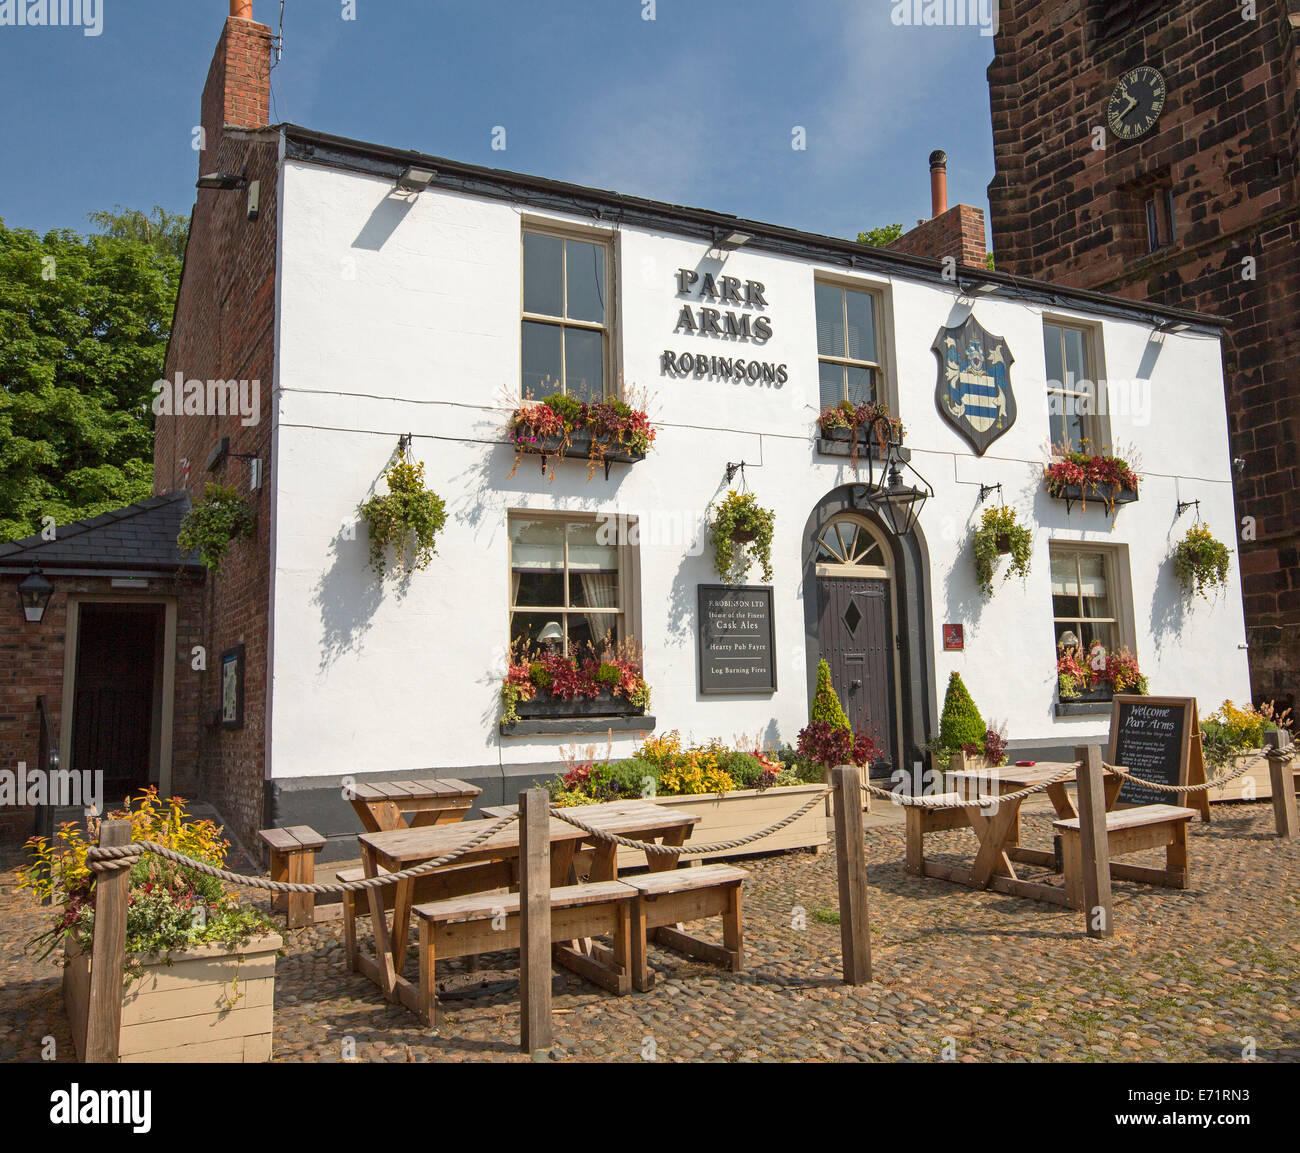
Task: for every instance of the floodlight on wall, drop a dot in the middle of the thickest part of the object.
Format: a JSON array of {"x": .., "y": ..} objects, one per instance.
[
  {"x": 415, "y": 179},
  {"x": 733, "y": 239},
  {"x": 229, "y": 181},
  {"x": 34, "y": 593},
  {"x": 1173, "y": 326}
]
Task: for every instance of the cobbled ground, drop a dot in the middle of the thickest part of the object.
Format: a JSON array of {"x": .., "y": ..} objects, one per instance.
[{"x": 1209, "y": 973}]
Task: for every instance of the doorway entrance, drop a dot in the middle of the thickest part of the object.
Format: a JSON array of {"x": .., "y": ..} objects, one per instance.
[
  {"x": 117, "y": 699},
  {"x": 856, "y": 631}
]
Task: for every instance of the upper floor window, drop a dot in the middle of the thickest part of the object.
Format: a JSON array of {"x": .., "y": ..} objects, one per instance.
[
  {"x": 848, "y": 357},
  {"x": 1071, "y": 386},
  {"x": 565, "y": 337},
  {"x": 1162, "y": 227}
]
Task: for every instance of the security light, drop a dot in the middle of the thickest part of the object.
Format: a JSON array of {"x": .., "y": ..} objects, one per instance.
[
  {"x": 222, "y": 181},
  {"x": 415, "y": 179},
  {"x": 34, "y": 593}
]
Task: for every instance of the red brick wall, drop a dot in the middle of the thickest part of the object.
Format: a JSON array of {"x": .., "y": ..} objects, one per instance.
[
  {"x": 1226, "y": 145},
  {"x": 224, "y": 330},
  {"x": 958, "y": 233},
  {"x": 31, "y": 664}
]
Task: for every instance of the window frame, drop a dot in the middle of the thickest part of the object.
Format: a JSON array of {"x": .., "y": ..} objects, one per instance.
[
  {"x": 605, "y": 240},
  {"x": 879, "y": 304},
  {"x": 1115, "y": 570},
  {"x": 627, "y": 615},
  {"x": 1095, "y": 426}
]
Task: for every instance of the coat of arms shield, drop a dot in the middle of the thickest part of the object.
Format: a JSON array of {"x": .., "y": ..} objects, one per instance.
[{"x": 974, "y": 390}]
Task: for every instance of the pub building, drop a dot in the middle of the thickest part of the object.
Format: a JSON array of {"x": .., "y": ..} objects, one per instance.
[{"x": 389, "y": 301}]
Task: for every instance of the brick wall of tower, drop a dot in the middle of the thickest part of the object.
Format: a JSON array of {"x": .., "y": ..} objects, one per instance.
[{"x": 1227, "y": 147}]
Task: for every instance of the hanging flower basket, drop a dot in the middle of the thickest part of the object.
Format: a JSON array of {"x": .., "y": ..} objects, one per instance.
[
  {"x": 1201, "y": 561},
  {"x": 741, "y": 534},
  {"x": 218, "y": 518},
  {"x": 1001, "y": 534},
  {"x": 408, "y": 517}
]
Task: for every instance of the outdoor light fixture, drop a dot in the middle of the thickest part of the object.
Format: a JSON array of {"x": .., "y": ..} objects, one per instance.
[
  {"x": 733, "y": 239},
  {"x": 1173, "y": 326},
  {"x": 897, "y": 503},
  {"x": 34, "y": 593},
  {"x": 222, "y": 181},
  {"x": 415, "y": 179}
]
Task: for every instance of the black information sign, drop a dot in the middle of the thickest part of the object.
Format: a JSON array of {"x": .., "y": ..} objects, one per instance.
[
  {"x": 737, "y": 643},
  {"x": 1150, "y": 736}
]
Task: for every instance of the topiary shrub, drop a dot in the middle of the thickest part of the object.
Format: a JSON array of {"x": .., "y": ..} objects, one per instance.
[
  {"x": 961, "y": 724},
  {"x": 826, "y": 705}
]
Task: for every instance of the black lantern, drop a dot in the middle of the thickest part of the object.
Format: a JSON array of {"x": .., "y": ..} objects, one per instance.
[
  {"x": 897, "y": 503},
  {"x": 34, "y": 593}
]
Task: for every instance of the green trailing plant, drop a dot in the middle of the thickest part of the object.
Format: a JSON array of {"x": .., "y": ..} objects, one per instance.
[
  {"x": 219, "y": 517},
  {"x": 960, "y": 725},
  {"x": 741, "y": 534},
  {"x": 1201, "y": 561},
  {"x": 408, "y": 517},
  {"x": 1000, "y": 532},
  {"x": 826, "y": 705}
]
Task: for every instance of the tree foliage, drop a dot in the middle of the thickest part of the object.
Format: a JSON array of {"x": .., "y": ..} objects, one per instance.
[
  {"x": 84, "y": 322},
  {"x": 881, "y": 237}
]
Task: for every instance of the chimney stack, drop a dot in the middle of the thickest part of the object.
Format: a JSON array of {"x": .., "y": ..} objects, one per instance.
[
  {"x": 938, "y": 183},
  {"x": 241, "y": 9},
  {"x": 238, "y": 90}
]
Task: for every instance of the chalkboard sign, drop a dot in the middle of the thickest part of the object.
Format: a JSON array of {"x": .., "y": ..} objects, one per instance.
[
  {"x": 737, "y": 643},
  {"x": 1152, "y": 737}
]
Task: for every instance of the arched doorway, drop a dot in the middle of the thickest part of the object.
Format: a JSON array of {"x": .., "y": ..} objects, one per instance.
[{"x": 856, "y": 626}]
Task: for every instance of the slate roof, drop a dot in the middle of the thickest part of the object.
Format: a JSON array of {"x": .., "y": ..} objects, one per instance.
[{"x": 140, "y": 536}]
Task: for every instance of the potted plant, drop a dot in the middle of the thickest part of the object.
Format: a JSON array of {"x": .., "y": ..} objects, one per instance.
[
  {"x": 1072, "y": 476},
  {"x": 200, "y": 967},
  {"x": 1201, "y": 561},
  {"x": 741, "y": 534},
  {"x": 408, "y": 517},
  {"x": 1098, "y": 676},
  {"x": 561, "y": 425},
  {"x": 842, "y": 430},
  {"x": 586, "y": 684},
  {"x": 962, "y": 731},
  {"x": 829, "y": 738},
  {"x": 1231, "y": 735},
  {"x": 212, "y": 522},
  {"x": 735, "y": 791},
  {"x": 1001, "y": 534}
]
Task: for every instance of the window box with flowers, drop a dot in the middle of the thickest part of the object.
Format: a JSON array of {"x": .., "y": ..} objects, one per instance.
[
  {"x": 842, "y": 430},
  {"x": 1080, "y": 476},
  {"x": 584, "y": 691},
  {"x": 1085, "y": 684},
  {"x": 562, "y": 426}
]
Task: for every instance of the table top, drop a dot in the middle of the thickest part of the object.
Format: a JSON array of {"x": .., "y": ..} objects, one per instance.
[
  {"x": 621, "y": 817},
  {"x": 1020, "y": 776},
  {"x": 424, "y": 787},
  {"x": 399, "y": 848}
]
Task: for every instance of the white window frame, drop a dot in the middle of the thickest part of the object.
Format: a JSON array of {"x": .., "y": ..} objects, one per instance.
[
  {"x": 1115, "y": 568},
  {"x": 1096, "y": 426},
  {"x": 879, "y": 308}
]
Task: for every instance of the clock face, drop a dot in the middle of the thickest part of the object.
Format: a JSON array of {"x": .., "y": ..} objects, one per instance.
[{"x": 1136, "y": 103}]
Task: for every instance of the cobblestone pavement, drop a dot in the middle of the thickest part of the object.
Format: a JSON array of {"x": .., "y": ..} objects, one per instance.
[{"x": 1192, "y": 975}]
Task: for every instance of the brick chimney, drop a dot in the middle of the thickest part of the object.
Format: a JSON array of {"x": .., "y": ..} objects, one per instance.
[
  {"x": 238, "y": 90},
  {"x": 957, "y": 232}
]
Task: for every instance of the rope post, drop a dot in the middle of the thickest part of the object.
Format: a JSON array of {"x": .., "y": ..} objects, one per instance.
[
  {"x": 108, "y": 958},
  {"x": 1282, "y": 779},
  {"x": 851, "y": 870},
  {"x": 1094, "y": 843},
  {"x": 534, "y": 921}
]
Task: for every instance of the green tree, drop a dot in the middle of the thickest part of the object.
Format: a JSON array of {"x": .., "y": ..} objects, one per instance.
[
  {"x": 165, "y": 232},
  {"x": 960, "y": 724},
  {"x": 826, "y": 705},
  {"x": 84, "y": 322},
  {"x": 881, "y": 237}
]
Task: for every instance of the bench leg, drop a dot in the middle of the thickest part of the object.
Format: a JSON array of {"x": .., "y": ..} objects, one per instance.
[
  {"x": 642, "y": 978},
  {"x": 732, "y": 936},
  {"x": 1176, "y": 857},
  {"x": 1072, "y": 859},
  {"x": 302, "y": 871},
  {"x": 350, "y": 929},
  {"x": 915, "y": 859},
  {"x": 428, "y": 1002},
  {"x": 279, "y": 872}
]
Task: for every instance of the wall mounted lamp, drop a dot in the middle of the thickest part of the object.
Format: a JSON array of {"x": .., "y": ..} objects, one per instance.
[{"x": 34, "y": 593}]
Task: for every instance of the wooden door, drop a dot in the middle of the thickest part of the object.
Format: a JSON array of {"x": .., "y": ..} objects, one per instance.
[
  {"x": 113, "y": 704},
  {"x": 856, "y": 635}
]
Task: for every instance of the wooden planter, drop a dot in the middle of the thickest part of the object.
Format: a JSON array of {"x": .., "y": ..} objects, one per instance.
[
  {"x": 580, "y": 448},
  {"x": 957, "y": 763},
  {"x": 839, "y": 442},
  {"x": 203, "y": 1004},
  {"x": 740, "y": 813},
  {"x": 604, "y": 705},
  {"x": 1074, "y": 494},
  {"x": 1240, "y": 790}
]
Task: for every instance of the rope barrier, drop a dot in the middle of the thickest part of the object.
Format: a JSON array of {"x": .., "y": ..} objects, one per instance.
[
  {"x": 675, "y": 850},
  {"x": 1214, "y": 783},
  {"x": 112, "y": 859},
  {"x": 908, "y": 800}
]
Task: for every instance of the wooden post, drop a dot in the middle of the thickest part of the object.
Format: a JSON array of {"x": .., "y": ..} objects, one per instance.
[
  {"x": 108, "y": 958},
  {"x": 1281, "y": 777},
  {"x": 534, "y": 921},
  {"x": 1094, "y": 843},
  {"x": 851, "y": 869}
]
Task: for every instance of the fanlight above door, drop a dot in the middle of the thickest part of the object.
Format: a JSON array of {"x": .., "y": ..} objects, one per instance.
[{"x": 846, "y": 542}]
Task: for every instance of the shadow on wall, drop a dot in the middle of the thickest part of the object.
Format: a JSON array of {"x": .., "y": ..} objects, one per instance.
[
  {"x": 1168, "y": 605},
  {"x": 383, "y": 222},
  {"x": 964, "y": 600}
]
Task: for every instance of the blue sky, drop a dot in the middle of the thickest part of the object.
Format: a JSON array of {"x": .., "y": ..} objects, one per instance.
[{"x": 696, "y": 106}]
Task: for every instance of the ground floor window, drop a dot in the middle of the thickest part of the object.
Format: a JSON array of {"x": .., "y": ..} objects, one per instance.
[
  {"x": 567, "y": 582},
  {"x": 1086, "y": 604}
]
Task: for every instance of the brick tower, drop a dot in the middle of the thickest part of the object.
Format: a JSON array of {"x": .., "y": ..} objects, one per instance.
[{"x": 1149, "y": 150}]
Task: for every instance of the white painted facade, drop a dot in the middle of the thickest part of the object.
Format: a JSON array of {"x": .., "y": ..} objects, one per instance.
[{"x": 404, "y": 317}]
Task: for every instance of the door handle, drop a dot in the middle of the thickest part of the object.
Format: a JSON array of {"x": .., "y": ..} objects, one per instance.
[{"x": 854, "y": 686}]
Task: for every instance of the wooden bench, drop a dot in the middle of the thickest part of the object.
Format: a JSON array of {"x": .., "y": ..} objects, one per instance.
[
  {"x": 665, "y": 901},
  {"x": 1130, "y": 831},
  {"x": 293, "y": 859},
  {"x": 486, "y": 923},
  {"x": 453, "y": 881}
]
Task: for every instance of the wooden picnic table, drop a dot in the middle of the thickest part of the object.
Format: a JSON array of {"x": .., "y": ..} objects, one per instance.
[
  {"x": 383, "y": 805},
  {"x": 493, "y": 864},
  {"x": 998, "y": 832}
]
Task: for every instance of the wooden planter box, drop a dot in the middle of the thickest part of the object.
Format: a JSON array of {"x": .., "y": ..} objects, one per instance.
[
  {"x": 943, "y": 767},
  {"x": 740, "y": 813},
  {"x": 1234, "y": 790},
  {"x": 604, "y": 705},
  {"x": 208, "y": 1004},
  {"x": 579, "y": 448},
  {"x": 839, "y": 442},
  {"x": 1074, "y": 494}
]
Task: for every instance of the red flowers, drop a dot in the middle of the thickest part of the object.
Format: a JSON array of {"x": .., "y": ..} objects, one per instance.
[
  {"x": 551, "y": 426},
  {"x": 830, "y": 745},
  {"x": 1109, "y": 474}
]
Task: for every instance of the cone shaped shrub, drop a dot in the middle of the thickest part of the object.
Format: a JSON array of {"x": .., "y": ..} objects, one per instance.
[
  {"x": 826, "y": 705},
  {"x": 961, "y": 723}
]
